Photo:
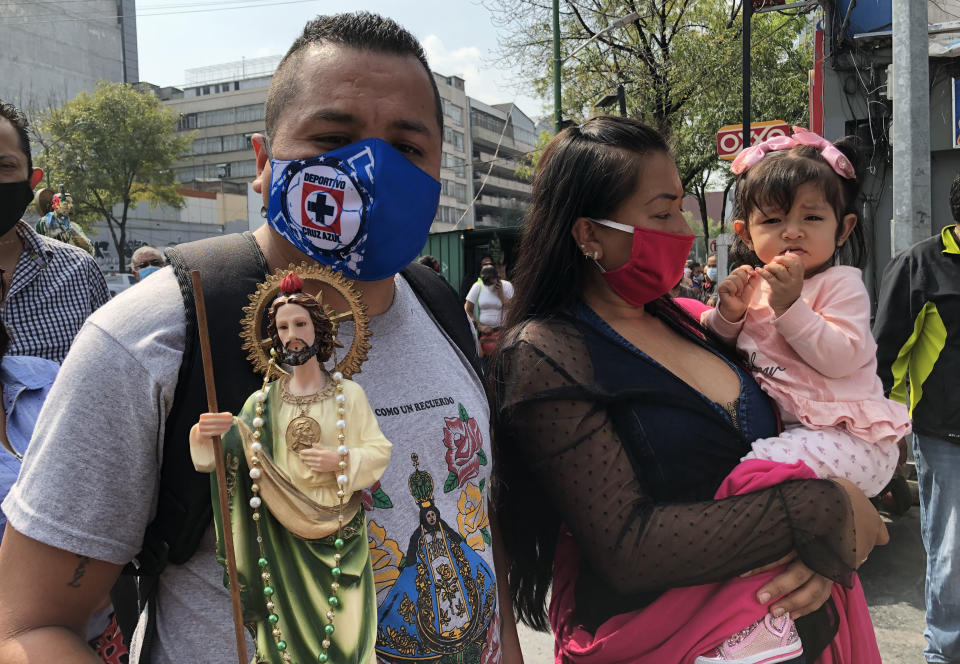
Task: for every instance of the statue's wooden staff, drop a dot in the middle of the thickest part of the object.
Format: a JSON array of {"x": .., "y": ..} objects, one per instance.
[{"x": 221, "y": 470}]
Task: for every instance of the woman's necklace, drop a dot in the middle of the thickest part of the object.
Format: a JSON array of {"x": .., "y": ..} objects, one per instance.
[
  {"x": 303, "y": 431},
  {"x": 269, "y": 591}
]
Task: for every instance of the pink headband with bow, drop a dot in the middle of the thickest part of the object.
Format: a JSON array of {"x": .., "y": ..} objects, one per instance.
[{"x": 831, "y": 154}]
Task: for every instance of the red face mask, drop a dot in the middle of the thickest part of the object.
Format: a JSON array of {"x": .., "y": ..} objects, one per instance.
[{"x": 655, "y": 265}]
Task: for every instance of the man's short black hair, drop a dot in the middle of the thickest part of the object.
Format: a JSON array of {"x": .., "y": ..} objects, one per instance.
[
  {"x": 19, "y": 122},
  {"x": 360, "y": 30},
  {"x": 955, "y": 198}
]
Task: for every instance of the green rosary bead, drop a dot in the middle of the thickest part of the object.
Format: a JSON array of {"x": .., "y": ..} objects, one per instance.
[
  {"x": 338, "y": 544},
  {"x": 329, "y": 630},
  {"x": 281, "y": 645},
  {"x": 335, "y": 572},
  {"x": 334, "y": 602},
  {"x": 262, "y": 563},
  {"x": 322, "y": 658},
  {"x": 268, "y": 591},
  {"x": 273, "y": 618}
]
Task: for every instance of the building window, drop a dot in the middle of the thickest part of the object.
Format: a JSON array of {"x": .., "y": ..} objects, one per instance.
[
  {"x": 452, "y": 111},
  {"x": 457, "y": 190},
  {"x": 251, "y": 113},
  {"x": 205, "y": 90},
  {"x": 234, "y": 142},
  {"x": 188, "y": 121},
  {"x": 447, "y": 214},
  {"x": 479, "y": 118},
  {"x": 453, "y": 136},
  {"x": 215, "y": 118},
  {"x": 455, "y": 162},
  {"x": 236, "y": 85}
]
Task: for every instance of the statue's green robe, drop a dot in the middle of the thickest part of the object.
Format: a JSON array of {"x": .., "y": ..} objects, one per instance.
[{"x": 300, "y": 566}]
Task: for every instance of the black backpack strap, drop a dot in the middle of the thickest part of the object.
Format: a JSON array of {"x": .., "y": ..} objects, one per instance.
[
  {"x": 231, "y": 267},
  {"x": 446, "y": 307}
]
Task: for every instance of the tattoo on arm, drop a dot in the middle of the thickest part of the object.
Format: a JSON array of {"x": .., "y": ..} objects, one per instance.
[{"x": 82, "y": 562}]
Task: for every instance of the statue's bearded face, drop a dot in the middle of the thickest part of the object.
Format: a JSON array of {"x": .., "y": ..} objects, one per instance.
[{"x": 297, "y": 334}]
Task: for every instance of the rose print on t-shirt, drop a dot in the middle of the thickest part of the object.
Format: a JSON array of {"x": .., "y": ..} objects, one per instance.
[
  {"x": 472, "y": 520},
  {"x": 385, "y": 559},
  {"x": 464, "y": 443},
  {"x": 375, "y": 496}
]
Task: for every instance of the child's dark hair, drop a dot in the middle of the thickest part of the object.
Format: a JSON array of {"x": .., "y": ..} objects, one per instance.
[{"x": 774, "y": 182}]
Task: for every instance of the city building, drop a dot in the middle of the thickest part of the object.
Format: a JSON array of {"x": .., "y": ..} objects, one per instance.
[
  {"x": 204, "y": 214},
  {"x": 500, "y": 135},
  {"x": 222, "y": 106},
  {"x": 456, "y": 193},
  {"x": 54, "y": 50}
]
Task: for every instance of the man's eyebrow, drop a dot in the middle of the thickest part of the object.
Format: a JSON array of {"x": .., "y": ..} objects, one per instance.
[
  {"x": 330, "y": 115},
  {"x": 11, "y": 156},
  {"x": 412, "y": 125}
]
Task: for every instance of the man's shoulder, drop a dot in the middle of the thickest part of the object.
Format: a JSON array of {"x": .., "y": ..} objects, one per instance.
[
  {"x": 67, "y": 254},
  {"x": 142, "y": 310}
]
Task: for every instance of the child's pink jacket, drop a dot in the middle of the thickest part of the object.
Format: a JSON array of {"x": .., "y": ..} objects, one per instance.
[{"x": 818, "y": 360}]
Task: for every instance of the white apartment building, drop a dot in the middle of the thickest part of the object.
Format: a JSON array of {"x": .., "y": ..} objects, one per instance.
[{"x": 500, "y": 135}]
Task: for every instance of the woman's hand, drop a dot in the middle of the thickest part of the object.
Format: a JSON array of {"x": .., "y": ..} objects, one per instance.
[
  {"x": 735, "y": 292},
  {"x": 320, "y": 460},
  {"x": 800, "y": 589},
  {"x": 870, "y": 529}
]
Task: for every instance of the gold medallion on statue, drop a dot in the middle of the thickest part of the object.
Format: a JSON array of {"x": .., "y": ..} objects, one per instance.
[
  {"x": 316, "y": 278},
  {"x": 302, "y": 433}
]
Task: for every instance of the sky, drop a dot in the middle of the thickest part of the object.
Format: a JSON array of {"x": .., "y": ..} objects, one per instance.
[{"x": 458, "y": 36}]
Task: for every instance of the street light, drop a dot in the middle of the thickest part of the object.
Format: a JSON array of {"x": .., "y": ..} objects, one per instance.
[
  {"x": 557, "y": 62},
  {"x": 611, "y": 98}
]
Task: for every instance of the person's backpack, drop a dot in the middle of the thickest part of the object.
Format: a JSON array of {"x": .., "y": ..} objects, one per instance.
[{"x": 231, "y": 267}]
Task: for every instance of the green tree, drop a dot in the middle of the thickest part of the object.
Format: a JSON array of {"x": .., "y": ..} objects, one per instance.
[
  {"x": 114, "y": 148},
  {"x": 680, "y": 64}
]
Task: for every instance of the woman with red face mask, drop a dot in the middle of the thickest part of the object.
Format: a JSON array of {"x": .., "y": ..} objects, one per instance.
[{"x": 617, "y": 419}]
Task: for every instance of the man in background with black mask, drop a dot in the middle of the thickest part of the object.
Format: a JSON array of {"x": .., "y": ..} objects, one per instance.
[{"x": 50, "y": 287}]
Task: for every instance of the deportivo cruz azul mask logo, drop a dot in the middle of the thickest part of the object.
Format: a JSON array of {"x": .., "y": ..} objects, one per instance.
[
  {"x": 363, "y": 210},
  {"x": 327, "y": 202}
]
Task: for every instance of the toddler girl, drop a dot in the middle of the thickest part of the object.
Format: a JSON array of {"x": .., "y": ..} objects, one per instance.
[{"x": 802, "y": 321}]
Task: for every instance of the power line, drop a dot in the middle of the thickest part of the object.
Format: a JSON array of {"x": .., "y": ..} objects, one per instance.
[{"x": 98, "y": 17}]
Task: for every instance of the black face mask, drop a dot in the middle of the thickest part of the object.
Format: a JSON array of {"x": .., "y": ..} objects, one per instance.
[{"x": 14, "y": 199}]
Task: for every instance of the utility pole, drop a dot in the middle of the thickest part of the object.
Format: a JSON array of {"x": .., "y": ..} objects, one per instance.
[
  {"x": 557, "y": 112},
  {"x": 747, "y": 20},
  {"x": 911, "y": 126}
]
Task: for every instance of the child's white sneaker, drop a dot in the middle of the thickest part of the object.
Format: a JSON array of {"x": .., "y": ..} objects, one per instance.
[{"x": 766, "y": 641}]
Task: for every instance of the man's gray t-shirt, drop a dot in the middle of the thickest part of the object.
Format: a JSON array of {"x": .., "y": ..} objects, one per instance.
[{"x": 89, "y": 481}]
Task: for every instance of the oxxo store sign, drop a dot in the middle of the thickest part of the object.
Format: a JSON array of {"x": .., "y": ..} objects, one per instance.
[{"x": 730, "y": 137}]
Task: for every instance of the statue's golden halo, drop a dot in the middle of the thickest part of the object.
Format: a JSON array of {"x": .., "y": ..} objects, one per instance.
[{"x": 253, "y": 325}]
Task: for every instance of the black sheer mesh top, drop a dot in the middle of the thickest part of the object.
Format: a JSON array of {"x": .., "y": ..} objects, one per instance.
[{"x": 629, "y": 457}]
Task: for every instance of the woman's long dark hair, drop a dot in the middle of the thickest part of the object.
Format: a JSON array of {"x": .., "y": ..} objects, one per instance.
[{"x": 585, "y": 171}]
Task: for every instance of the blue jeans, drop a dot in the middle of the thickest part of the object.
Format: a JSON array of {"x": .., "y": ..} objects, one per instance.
[{"x": 938, "y": 467}]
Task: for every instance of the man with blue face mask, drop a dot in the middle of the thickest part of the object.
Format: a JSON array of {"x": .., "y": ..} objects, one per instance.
[
  {"x": 348, "y": 172},
  {"x": 145, "y": 261}
]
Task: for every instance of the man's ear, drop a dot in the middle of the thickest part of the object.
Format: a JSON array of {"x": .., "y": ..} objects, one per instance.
[
  {"x": 259, "y": 142},
  {"x": 35, "y": 177},
  {"x": 743, "y": 231}
]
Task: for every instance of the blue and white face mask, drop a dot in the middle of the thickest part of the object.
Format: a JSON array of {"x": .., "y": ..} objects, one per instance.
[{"x": 363, "y": 210}]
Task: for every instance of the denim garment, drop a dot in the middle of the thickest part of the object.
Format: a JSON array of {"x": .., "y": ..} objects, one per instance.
[
  {"x": 26, "y": 382},
  {"x": 938, "y": 465},
  {"x": 681, "y": 443}
]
